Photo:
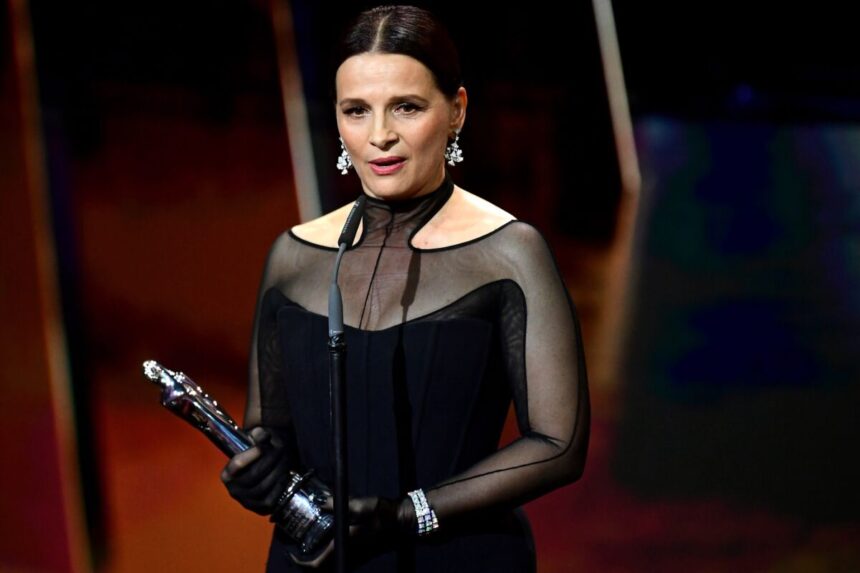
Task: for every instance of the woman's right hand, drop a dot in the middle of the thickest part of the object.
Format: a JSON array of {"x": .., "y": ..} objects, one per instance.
[{"x": 257, "y": 477}]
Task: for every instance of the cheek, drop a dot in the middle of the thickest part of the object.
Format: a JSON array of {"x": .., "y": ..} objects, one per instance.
[
  {"x": 352, "y": 138},
  {"x": 430, "y": 137}
]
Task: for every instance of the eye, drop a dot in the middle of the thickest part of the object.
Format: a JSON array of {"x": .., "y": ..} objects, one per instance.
[
  {"x": 408, "y": 107},
  {"x": 353, "y": 111}
]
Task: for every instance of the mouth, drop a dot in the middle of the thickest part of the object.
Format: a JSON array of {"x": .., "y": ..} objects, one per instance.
[
  {"x": 387, "y": 161},
  {"x": 386, "y": 165}
]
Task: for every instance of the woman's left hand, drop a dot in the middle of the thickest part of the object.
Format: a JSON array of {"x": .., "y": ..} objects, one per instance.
[
  {"x": 381, "y": 517},
  {"x": 374, "y": 519}
]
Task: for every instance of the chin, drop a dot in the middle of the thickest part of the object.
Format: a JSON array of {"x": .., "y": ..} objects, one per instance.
[{"x": 391, "y": 189}]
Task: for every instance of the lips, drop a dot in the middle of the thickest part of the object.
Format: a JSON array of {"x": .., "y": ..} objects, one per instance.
[
  {"x": 387, "y": 165},
  {"x": 390, "y": 160}
]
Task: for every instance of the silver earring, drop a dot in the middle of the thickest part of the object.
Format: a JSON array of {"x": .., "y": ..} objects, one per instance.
[
  {"x": 344, "y": 162},
  {"x": 453, "y": 153}
]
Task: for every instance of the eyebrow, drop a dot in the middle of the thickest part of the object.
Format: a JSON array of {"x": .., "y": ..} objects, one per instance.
[{"x": 359, "y": 101}]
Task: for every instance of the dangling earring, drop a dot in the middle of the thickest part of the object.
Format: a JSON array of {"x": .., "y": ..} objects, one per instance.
[
  {"x": 344, "y": 162},
  {"x": 453, "y": 153}
]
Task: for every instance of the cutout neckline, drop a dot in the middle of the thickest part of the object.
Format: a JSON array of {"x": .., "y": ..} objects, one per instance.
[{"x": 406, "y": 216}]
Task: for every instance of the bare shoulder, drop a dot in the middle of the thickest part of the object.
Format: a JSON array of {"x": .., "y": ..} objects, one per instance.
[
  {"x": 325, "y": 230},
  {"x": 464, "y": 217}
]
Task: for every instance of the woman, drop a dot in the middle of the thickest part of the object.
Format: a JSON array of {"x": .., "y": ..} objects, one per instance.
[{"x": 452, "y": 307}]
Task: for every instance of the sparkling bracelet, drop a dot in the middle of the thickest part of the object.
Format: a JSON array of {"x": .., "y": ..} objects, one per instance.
[{"x": 426, "y": 517}]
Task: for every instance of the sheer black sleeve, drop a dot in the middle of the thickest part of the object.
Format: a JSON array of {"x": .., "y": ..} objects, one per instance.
[
  {"x": 545, "y": 365},
  {"x": 264, "y": 358}
]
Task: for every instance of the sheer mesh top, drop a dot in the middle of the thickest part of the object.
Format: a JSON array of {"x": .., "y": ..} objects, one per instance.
[{"x": 439, "y": 343}]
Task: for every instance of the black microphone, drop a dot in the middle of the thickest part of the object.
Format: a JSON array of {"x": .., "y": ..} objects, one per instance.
[
  {"x": 351, "y": 226},
  {"x": 347, "y": 235},
  {"x": 337, "y": 388}
]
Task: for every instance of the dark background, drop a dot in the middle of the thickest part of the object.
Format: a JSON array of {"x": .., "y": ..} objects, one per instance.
[{"x": 724, "y": 430}]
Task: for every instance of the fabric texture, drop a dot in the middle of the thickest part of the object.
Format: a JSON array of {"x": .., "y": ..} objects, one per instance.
[{"x": 440, "y": 342}]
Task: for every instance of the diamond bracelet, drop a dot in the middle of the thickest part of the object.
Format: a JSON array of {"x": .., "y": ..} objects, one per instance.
[{"x": 426, "y": 517}]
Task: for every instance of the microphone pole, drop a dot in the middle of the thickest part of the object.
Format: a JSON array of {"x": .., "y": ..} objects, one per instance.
[{"x": 337, "y": 389}]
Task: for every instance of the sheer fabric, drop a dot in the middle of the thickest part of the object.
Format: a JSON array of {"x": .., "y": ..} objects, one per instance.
[{"x": 439, "y": 343}]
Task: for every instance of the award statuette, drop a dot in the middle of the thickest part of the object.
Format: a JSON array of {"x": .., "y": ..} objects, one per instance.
[{"x": 299, "y": 512}]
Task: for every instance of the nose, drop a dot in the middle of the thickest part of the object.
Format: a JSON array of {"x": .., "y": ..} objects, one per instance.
[{"x": 382, "y": 136}]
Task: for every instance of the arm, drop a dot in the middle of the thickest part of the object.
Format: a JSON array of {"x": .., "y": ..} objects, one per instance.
[
  {"x": 258, "y": 476},
  {"x": 253, "y": 408},
  {"x": 546, "y": 368}
]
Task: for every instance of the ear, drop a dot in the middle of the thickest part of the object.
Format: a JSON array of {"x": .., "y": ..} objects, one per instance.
[{"x": 458, "y": 110}]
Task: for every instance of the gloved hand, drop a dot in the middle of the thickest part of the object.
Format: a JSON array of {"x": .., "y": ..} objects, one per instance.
[
  {"x": 382, "y": 518},
  {"x": 373, "y": 521},
  {"x": 257, "y": 477}
]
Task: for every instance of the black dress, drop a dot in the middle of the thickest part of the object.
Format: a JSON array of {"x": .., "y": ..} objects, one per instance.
[{"x": 439, "y": 343}]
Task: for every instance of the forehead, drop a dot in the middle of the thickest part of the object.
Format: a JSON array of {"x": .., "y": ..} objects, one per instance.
[{"x": 371, "y": 74}]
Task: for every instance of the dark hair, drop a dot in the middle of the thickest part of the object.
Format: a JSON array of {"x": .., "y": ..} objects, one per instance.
[{"x": 404, "y": 30}]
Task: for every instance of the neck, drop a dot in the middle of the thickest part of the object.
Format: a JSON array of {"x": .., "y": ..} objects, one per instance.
[
  {"x": 444, "y": 188},
  {"x": 400, "y": 196}
]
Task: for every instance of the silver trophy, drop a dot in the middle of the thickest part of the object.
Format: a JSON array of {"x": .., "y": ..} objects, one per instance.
[{"x": 299, "y": 514}]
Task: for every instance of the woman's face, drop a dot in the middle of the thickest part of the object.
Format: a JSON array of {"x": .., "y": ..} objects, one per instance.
[{"x": 388, "y": 106}]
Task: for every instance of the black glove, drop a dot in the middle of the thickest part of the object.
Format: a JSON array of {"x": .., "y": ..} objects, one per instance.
[
  {"x": 381, "y": 518},
  {"x": 257, "y": 477},
  {"x": 375, "y": 523}
]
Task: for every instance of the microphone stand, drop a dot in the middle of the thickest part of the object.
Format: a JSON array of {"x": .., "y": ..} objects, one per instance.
[{"x": 337, "y": 389}]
